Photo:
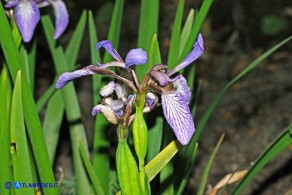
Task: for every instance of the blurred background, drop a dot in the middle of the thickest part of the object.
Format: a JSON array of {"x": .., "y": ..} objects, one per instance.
[{"x": 251, "y": 114}]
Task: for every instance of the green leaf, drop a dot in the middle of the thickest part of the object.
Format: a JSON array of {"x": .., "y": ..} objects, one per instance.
[
  {"x": 75, "y": 41},
  {"x": 280, "y": 143},
  {"x": 175, "y": 37},
  {"x": 115, "y": 27},
  {"x": 96, "y": 184},
  {"x": 5, "y": 108},
  {"x": 208, "y": 167},
  {"x": 19, "y": 145},
  {"x": 52, "y": 123},
  {"x": 148, "y": 25},
  {"x": 154, "y": 54},
  {"x": 77, "y": 132},
  {"x": 155, "y": 137},
  {"x": 186, "y": 31},
  {"x": 45, "y": 97},
  {"x": 101, "y": 141},
  {"x": 159, "y": 162},
  {"x": 15, "y": 63},
  {"x": 196, "y": 28}
]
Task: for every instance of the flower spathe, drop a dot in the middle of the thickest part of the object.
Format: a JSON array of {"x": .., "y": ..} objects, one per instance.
[
  {"x": 27, "y": 16},
  {"x": 172, "y": 86}
]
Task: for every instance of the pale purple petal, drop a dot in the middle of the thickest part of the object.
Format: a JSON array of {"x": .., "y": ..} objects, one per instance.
[
  {"x": 121, "y": 92},
  {"x": 117, "y": 105},
  {"x": 108, "y": 46},
  {"x": 191, "y": 57},
  {"x": 11, "y": 3},
  {"x": 108, "y": 113},
  {"x": 181, "y": 87},
  {"x": 151, "y": 100},
  {"x": 108, "y": 89},
  {"x": 178, "y": 116},
  {"x": 69, "y": 76},
  {"x": 27, "y": 15},
  {"x": 62, "y": 17},
  {"x": 136, "y": 56},
  {"x": 161, "y": 77}
]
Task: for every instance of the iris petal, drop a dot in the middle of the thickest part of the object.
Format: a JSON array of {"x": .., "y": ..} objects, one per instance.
[
  {"x": 178, "y": 116},
  {"x": 191, "y": 57},
  {"x": 108, "y": 89},
  {"x": 136, "y": 56},
  {"x": 66, "y": 77},
  {"x": 181, "y": 87},
  {"x": 27, "y": 15},
  {"x": 108, "y": 46},
  {"x": 62, "y": 17},
  {"x": 106, "y": 111}
]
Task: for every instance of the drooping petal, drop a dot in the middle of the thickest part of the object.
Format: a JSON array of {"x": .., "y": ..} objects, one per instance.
[
  {"x": 178, "y": 116},
  {"x": 117, "y": 105},
  {"x": 108, "y": 89},
  {"x": 181, "y": 87},
  {"x": 191, "y": 57},
  {"x": 161, "y": 77},
  {"x": 69, "y": 76},
  {"x": 136, "y": 56},
  {"x": 27, "y": 15},
  {"x": 106, "y": 111},
  {"x": 108, "y": 46},
  {"x": 11, "y": 3},
  {"x": 62, "y": 17}
]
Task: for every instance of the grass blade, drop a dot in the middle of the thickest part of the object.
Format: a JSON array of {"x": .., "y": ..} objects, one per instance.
[
  {"x": 19, "y": 150},
  {"x": 15, "y": 63},
  {"x": 77, "y": 132},
  {"x": 96, "y": 184},
  {"x": 148, "y": 25},
  {"x": 280, "y": 143},
  {"x": 175, "y": 37},
  {"x": 5, "y": 108},
  {"x": 75, "y": 41},
  {"x": 196, "y": 28},
  {"x": 52, "y": 123},
  {"x": 208, "y": 167},
  {"x": 186, "y": 31}
]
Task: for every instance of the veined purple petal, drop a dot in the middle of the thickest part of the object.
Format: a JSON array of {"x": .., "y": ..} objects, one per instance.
[
  {"x": 136, "y": 56},
  {"x": 108, "y": 46},
  {"x": 117, "y": 105},
  {"x": 181, "y": 87},
  {"x": 106, "y": 111},
  {"x": 178, "y": 116},
  {"x": 191, "y": 57},
  {"x": 121, "y": 92},
  {"x": 62, "y": 17},
  {"x": 108, "y": 89},
  {"x": 27, "y": 15},
  {"x": 69, "y": 76}
]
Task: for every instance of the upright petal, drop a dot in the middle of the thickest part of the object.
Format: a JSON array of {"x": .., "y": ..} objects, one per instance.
[
  {"x": 178, "y": 116},
  {"x": 136, "y": 56},
  {"x": 11, "y": 3},
  {"x": 69, "y": 76},
  {"x": 62, "y": 17},
  {"x": 108, "y": 46},
  {"x": 191, "y": 57},
  {"x": 27, "y": 15},
  {"x": 161, "y": 77},
  {"x": 106, "y": 111}
]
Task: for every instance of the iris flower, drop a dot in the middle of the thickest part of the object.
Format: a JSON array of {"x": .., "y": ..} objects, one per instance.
[
  {"x": 27, "y": 16},
  {"x": 172, "y": 86}
]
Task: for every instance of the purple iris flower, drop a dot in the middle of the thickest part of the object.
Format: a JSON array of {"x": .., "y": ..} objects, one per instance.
[
  {"x": 172, "y": 86},
  {"x": 27, "y": 16}
]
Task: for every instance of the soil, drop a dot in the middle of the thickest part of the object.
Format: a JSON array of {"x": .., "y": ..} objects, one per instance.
[{"x": 253, "y": 112}]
